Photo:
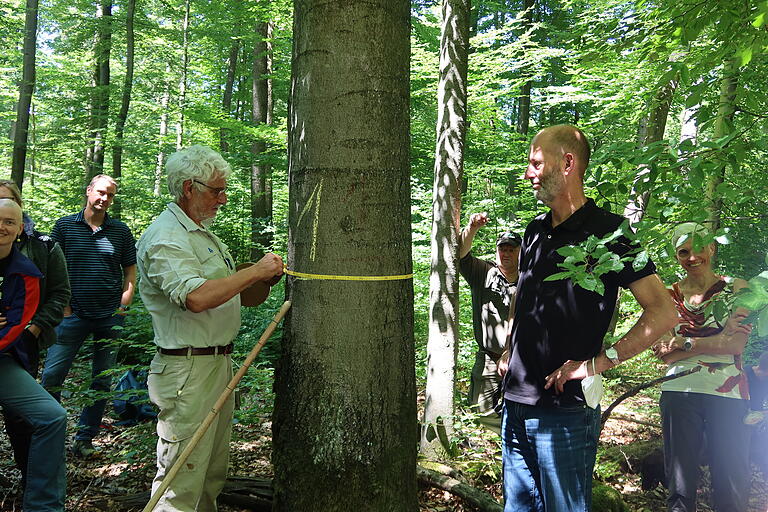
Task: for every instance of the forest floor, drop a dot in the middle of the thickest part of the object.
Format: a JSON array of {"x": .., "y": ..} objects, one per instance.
[{"x": 128, "y": 455}]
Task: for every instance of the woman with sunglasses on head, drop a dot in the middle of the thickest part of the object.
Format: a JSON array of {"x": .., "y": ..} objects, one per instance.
[
  {"x": 710, "y": 403},
  {"x": 54, "y": 294}
]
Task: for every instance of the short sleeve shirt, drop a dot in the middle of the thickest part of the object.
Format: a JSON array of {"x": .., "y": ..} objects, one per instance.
[
  {"x": 176, "y": 257},
  {"x": 556, "y": 321},
  {"x": 492, "y": 297},
  {"x": 95, "y": 262}
]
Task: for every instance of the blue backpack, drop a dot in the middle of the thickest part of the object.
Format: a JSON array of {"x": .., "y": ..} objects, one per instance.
[{"x": 131, "y": 399}]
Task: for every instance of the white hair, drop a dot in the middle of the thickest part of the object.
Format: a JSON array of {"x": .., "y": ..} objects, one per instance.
[{"x": 197, "y": 162}]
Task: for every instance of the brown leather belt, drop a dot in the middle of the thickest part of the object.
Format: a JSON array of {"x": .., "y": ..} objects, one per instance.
[{"x": 194, "y": 351}]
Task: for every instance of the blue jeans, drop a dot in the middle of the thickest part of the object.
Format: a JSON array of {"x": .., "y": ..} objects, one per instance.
[
  {"x": 71, "y": 333},
  {"x": 548, "y": 454},
  {"x": 21, "y": 395}
]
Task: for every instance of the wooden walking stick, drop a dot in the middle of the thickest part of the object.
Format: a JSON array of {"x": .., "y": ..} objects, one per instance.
[{"x": 216, "y": 407}]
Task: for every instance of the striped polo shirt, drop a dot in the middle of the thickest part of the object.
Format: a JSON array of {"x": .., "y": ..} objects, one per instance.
[{"x": 95, "y": 262}]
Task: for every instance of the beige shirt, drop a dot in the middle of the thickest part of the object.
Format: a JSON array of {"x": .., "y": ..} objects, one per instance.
[{"x": 175, "y": 257}]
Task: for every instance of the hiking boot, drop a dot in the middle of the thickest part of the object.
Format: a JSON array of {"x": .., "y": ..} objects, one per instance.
[{"x": 85, "y": 450}]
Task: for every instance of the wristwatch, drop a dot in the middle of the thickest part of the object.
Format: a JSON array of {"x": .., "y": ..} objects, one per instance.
[
  {"x": 612, "y": 355},
  {"x": 688, "y": 344}
]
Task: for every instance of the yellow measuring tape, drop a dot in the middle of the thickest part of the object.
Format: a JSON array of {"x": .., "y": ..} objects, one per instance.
[{"x": 303, "y": 275}]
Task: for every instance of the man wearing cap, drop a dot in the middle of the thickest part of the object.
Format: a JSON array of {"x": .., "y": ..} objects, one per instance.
[
  {"x": 190, "y": 287},
  {"x": 493, "y": 286}
]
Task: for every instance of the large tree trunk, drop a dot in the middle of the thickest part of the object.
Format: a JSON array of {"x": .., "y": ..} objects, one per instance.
[
  {"x": 26, "y": 88},
  {"x": 226, "y": 104},
  {"x": 183, "y": 79},
  {"x": 651, "y": 130},
  {"x": 270, "y": 118},
  {"x": 260, "y": 215},
  {"x": 524, "y": 101},
  {"x": 723, "y": 126},
  {"x": 122, "y": 116},
  {"x": 345, "y": 429},
  {"x": 442, "y": 347},
  {"x": 165, "y": 100},
  {"x": 100, "y": 104}
]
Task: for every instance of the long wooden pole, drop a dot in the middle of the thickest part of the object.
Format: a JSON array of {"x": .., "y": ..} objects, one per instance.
[{"x": 216, "y": 408}]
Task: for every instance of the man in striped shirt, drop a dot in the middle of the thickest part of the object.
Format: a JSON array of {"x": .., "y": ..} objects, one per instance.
[{"x": 101, "y": 261}]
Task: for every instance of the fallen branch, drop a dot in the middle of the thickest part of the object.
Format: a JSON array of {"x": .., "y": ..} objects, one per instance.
[
  {"x": 633, "y": 420},
  {"x": 635, "y": 390},
  {"x": 480, "y": 500}
]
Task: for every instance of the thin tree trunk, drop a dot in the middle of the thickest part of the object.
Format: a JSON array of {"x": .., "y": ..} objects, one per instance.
[
  {"x": 226, "y": 104},
  {"x": 183, "y": 79},
  {"x": 344, "y": 429},
  {"x": 442, "y": 346},
  {"x": 723, "y": 126},
  {"x": 260, "y": 239},
  {"x": 100, "y": 108},
  {"x": 26, "y": 89},
  {"x": 651, "y": 130},
  {"x": 122, "y": 116},
  {"x": 270, "y": 118},
  {"x": 165, "y": 100},
  {"x": 524, "y": 101}
]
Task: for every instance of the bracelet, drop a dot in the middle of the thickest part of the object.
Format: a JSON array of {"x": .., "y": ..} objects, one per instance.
[{"x": 123, "y": 307}]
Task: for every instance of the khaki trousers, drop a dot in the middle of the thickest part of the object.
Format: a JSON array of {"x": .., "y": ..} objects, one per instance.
[
  {"x": 483, "y": 383},
  {"x": 185, "y": 388}
]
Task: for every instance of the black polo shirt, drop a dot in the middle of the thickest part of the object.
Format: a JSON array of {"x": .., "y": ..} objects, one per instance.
[
  {"x": 95, "y": 262},
  {"x": 557, "y": 320}
]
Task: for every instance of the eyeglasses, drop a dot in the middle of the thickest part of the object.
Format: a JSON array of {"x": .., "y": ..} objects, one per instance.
[{"x": 218, "y": 191}]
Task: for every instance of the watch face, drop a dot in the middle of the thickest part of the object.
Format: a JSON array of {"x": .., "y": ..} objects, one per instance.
[{"x": 611, "y": 353}]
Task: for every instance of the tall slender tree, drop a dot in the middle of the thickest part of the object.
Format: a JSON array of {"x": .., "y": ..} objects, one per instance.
[
  {"x": 723, "y": 126},
  {"x": 184, "y": 73},
  {"x": 442, "y": 347},
  {"x": 524, "y": 100},
  {"x": 344, "y": 428},
  {"x": 125, "y": 103},
  {"x": 260, "y": 215},
  {"x": 100, "y": 99},
  {"x": 26, "y": 88},
  {"x": 229, "y": 85},
  {"x": 165, "y": 100}
]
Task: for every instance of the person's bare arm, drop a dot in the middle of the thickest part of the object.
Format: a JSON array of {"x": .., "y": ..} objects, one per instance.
[
  {"x": 659, "y": 316},
  {"x": 129, "y": 285},
  {"x": 730, "y": 341},
  {"x": 215, "y": 292},
  {"x": 467, "y": 235}
]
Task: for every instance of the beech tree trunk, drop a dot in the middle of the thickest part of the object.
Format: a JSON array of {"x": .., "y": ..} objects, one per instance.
[
  {"x": 122, "y": 116},
  {"x": 723, "y": 126},
  {"x": 651, "y": 130},
  {"x": 100, "y": 102},
  {"x": 183, "y": 79},
  {"x": 442, "y": 346},
  {"x": 226, "y": 104},
  {"x": 165, "y": 100},
  {"x": 26, "y": 88},
  {"x": 524, "y": 112},
  {"x": 345, "y": 429},
  {"x": 260, "y": 169}
]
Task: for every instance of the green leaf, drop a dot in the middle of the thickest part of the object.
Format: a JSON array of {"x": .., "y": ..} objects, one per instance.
[
  {"x": 745, "y": 54},
  {"x": 759, "y": 20},
  {"x": 640, "y": 261},
  {"x": 558, "y": 276},
  {"x": 720, "y": 311},
  {"x": 762, "y": 323}
]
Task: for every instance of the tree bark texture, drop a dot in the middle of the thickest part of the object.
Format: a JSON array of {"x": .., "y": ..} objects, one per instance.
[
  {"x": 183, "y": 78},
  {"x": 100, "y": 102},
  {"x": 125, "y": 103},
  {"x": 26, "y": 89},
  {"x": 524, "y": 112},
  {"x": 723, "y": 126},
  {"x": 165, "y": 100},
  {"x": 345, "y": 428},
  {"x": 260, "y": 169},
  {"x": 651, "y": 130},
  {"x": 226, "y": 104},
  {"x": 442, "y": 346}
]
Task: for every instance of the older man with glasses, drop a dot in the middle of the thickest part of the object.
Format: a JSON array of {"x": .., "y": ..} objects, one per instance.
[{"x": 190, "y": 287}]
